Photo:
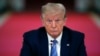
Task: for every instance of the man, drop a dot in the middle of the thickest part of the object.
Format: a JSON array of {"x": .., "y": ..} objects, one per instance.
[{"x": 54, "y": 39}]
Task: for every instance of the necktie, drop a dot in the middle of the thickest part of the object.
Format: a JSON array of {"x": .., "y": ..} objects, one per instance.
[{"x": 53, "y": 48}]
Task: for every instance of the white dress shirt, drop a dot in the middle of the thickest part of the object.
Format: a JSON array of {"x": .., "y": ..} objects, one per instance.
[{"x": 58, "y": 45}]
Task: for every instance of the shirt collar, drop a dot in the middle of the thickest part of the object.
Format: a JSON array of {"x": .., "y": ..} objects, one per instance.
[{"x": 51, "y": 38}]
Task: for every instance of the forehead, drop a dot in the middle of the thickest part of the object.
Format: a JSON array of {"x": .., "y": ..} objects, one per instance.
[{"x": 53, "y": 15}]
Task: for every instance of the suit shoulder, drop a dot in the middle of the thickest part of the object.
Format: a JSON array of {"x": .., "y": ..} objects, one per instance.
[
  {"x": 34, "y": 32},
  {"x": 31, "y": 32},
  {"x": 75, "y": 33}
]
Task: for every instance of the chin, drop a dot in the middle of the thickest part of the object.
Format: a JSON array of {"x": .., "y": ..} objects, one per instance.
[{"x": 54, "y": 35}]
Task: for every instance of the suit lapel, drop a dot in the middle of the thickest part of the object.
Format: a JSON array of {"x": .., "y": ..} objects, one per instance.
[
  {"x": 43, "y": 40},
  {"x": 65, "y": 43}
]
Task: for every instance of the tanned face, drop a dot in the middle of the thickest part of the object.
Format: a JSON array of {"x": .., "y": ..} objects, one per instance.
[{"x": 54, "y": 23}]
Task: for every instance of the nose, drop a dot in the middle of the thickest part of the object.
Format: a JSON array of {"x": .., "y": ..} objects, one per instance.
[{"x": 53, "y": 24}]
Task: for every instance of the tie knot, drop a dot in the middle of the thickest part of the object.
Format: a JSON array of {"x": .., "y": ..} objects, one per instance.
[{"x": 54, "y": 41}]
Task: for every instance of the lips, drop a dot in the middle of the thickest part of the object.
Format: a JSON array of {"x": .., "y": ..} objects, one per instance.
[{"x": 54, "y": 31}]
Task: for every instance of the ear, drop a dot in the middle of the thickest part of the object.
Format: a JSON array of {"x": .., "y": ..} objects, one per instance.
[
  {"x": 65, "y": 20},
  {"x": 42, "y": 20}
]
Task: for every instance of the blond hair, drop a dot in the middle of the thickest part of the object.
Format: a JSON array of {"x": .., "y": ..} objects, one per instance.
[{"x": 53, "y": 7}]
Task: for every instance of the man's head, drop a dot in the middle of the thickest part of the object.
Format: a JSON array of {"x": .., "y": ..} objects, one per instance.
[{"x": 53, "y": 17}]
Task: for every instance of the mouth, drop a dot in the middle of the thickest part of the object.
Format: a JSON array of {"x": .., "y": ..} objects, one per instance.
[{"x": 54, "y": 31}]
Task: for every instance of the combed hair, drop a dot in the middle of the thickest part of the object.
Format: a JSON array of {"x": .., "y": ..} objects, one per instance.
[{"x": 53, "y": 7}]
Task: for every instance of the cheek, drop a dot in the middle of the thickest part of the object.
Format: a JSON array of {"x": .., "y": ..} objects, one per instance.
[
  {"x": 44, "y": 24},
  {"x": 60, "y": 27},
  {"x": 47, "y": 27}
]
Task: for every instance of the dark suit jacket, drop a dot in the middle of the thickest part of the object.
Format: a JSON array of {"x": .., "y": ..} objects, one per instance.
[{"x": 36, "y": 43}]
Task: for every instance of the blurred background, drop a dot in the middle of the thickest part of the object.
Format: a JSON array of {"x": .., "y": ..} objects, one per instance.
[{"x": 19, "y": 16}]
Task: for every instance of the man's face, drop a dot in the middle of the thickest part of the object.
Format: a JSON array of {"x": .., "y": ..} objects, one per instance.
[{"x": 54, "y": 23}]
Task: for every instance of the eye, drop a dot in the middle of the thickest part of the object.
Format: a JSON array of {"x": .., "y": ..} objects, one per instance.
[
  {"x": 57, "y": 20},
  {"x": 49, "y": 20}
]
